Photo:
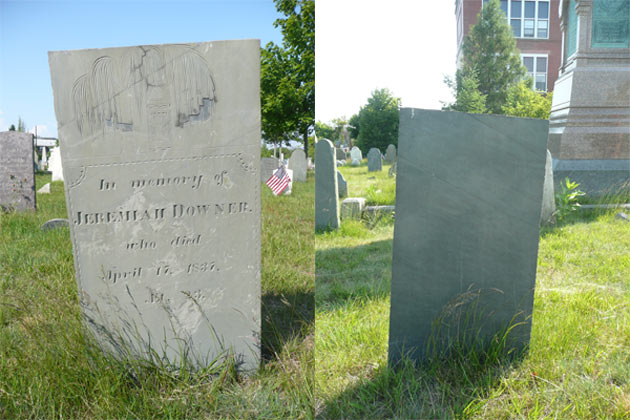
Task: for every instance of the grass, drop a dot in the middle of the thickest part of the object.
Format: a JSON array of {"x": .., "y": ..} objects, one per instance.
[
  {"x": 377, "y": 187},
  {"x": 576, "y": 365},
  {"x": 49, "y": 367}
]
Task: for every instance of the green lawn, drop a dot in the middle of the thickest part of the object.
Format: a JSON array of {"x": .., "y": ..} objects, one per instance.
[
  {"x": 577, "y": 366},
  {"x": 377, "y": 187},
  {"x": 50, "y": 369}
]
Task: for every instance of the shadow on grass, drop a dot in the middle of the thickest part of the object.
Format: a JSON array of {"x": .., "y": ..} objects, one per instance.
[
  {"x": 349, "y": 272},
  {"x": 285, "y": 317},
  {"x": 452, "y": 386}
]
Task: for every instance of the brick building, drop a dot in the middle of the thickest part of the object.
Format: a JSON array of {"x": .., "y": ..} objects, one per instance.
[{"x": 536, "y": 27}]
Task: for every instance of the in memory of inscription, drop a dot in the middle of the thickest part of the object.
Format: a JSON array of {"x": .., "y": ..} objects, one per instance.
[{"x": 163, "y": 192}]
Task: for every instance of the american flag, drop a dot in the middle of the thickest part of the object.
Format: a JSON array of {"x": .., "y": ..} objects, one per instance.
[{"x": 279, "y": 181}]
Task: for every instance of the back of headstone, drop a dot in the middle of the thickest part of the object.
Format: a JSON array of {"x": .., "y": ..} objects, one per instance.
[{"x": 468, "y": 203}]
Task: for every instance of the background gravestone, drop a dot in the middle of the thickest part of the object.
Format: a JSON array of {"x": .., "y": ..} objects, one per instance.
[
  {"x": 326, "y": 187},
  {"x": 356, "y": 156},
  {"x": 17, "y": 172},
  {"x": 548, "y": 203},
  {"x": 468, "y": 202},
  {"x": 390, "y": 154},
  {"x": 267, "y": 167},
  {"x": 54, "y": 165},
  {"x": 163, "y": 192},
  {"x": 341, "y": 155},
  {"x": 375, "y": 160},
  {"x": 342, "y": 185},
  {"x": 297, "y": 163}
]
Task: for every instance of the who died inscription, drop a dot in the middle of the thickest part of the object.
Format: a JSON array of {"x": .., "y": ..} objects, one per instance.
[{"x": 162, "y": 185}]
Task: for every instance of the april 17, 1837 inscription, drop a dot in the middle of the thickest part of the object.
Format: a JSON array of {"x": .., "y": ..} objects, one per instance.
[{"x": 160, "y": 150}]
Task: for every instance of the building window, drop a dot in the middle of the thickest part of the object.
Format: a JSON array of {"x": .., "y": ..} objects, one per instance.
[
  {"x": 536, "y": 69},
  {"x": 528, "y": 19}
]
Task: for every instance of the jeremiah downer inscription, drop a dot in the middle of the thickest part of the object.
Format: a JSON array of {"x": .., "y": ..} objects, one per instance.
[{"x": 160, "y": 150}]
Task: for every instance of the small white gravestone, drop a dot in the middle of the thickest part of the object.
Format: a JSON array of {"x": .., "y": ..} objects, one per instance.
[
  {"x": 54, "y": 164},
  {"x": 297, "y": 162},
  {"x": 45, "y": 189}
]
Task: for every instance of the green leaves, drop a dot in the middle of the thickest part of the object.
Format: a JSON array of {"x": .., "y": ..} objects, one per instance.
[
  {"x": 378, "y": 121},
  {"x": 566, "y": 199}
]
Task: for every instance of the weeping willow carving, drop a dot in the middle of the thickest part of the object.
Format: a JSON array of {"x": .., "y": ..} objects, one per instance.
[{"x": 148, "y": 89}]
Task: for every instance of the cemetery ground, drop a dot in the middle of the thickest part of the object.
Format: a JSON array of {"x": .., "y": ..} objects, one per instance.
[
  {"x": 49, "y": 368},
  {"x": 575, "y": 368}
]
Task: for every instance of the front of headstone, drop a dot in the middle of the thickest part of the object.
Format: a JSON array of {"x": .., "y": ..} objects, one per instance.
[
  {"x": 351, "y": 208},
  {"x": 463, "y": 274},
  {"x": 390, "y": 154},
  {"x": 17, "y": 174},
  {"x": 297, "y": 163},
  {"x": 267, "y": 167},
  {"x": 54, "y": 164},
  {"x": 356, "y": 156},
  {"x": 341, "y": 155},
  {"x": 375, "y": 160},
  {"x": 342, "y": 185},
  {"x": 326, "y": 187},
  {"x": 163, "y": 192}
]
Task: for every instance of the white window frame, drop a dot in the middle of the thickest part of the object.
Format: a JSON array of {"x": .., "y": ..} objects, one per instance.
[
  {"x": 535, "y": 57},
  {"x": 536, "y": 19}
]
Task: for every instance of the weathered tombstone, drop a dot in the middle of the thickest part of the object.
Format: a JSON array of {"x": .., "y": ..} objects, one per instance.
[
  {"x": 548, "y": 202},
  {"x": 375, "y": 160},
  {"x": 341, "y": 155},
  {"x": 589, "y": 137},
  {"x": 267, "y": 167},
  {"x": 55, "y": 224},
  {"x": 342, "y": 185},
  {"x": 163, "y": 192},
  {"x": 351, "y": 208},
  {"x": 297, "y": 163},
  {"x": 463, "y": 273},
  {"x": 326, "y": 187},
  {"x": 390, "y": 154},
  {"x": 17, "y": 174},
  {"x": 54, "y": 164},
  {"x": 391, "y": 172},
  {"x": 356, "y": 156}
]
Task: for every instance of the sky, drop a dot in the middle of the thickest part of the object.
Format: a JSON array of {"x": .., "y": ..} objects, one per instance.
[
  {"x": 29, "y": 29},
  {"x": 406, "y": 46}
]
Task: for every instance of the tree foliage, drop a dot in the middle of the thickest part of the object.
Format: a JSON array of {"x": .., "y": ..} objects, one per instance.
[
  {"x": 288, "y": 75},
  {"x": 468, "y": 98},
  {"x": 522, "y": 101},
  {"x": 324, "y": 131},
  {"x": 490, "y": 55},
  {"x": 378, "y": 121}
]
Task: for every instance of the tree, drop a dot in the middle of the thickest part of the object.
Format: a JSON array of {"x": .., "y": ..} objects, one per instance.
[
  {"x": 378, "y": 121},
  {"x": 490, "y": 55},
  {"x": 12, "y": 127},
  {"x": 468, "y": 98},
  {"x": 324, "y": 131},
  {"x": 288, "y": 75},
  {"x": 354, "y": 126},
  {"x": 522, "y": 101}
]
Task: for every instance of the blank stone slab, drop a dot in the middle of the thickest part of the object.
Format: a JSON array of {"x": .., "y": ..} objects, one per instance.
[
  {"x": 161, "y": 149},
  {"x": 297, "y": 162},
  {"x": 375, "y": 160},
  {"x": 468, "y": 204},
  {"x": 17, "y": 172}
]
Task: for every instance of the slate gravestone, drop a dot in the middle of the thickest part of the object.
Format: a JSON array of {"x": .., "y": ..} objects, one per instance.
[
  {"x": 548, "y": 203},
  {"x": 54, "y": 164},
  {"x": 342, "y": 185},
  {"x": 341, "y": 155},
  {"x": 267, "y": 167},
  {"x": 163, "y": 192},
  {"x": 351, "y": 208},
  {"x": 17, "y": 172},
  {"x": 326, "y": 187},
  {"x": 297, "y": 163},
  {"x": 375, "y": 160},
  {"x": 390, "y": 154},
  {"x": 356, "y": 156},
  {"x": 464, "y": 271}
]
